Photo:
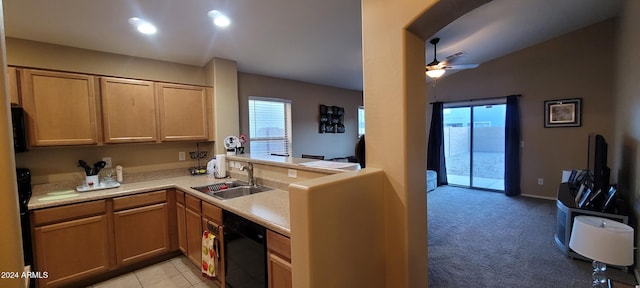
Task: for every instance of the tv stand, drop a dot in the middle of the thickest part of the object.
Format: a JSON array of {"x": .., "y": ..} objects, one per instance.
[{"x": 567, "y": 210}]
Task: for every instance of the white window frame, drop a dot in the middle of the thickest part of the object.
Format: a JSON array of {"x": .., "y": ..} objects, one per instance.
[
  {"x": 360, "y": 129},
  {"x": 287, "y": 114}
]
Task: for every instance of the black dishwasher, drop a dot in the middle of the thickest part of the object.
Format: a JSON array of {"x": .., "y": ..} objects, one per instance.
[{"x": 245, "y": 253}]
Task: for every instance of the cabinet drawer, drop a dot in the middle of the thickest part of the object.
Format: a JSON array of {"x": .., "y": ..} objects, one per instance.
[
  {"x": 212, "y": 212},
  {"x": 68, "y": 212},
  {"x": 279, "y": 244},
  {"x": 138, "y": 200},
  {"x": 180, "y": 197},
  {"x": 192, "y": 203}
]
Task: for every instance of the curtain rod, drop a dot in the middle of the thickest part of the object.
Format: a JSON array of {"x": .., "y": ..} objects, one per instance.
[{"x": 478, "y": 99}]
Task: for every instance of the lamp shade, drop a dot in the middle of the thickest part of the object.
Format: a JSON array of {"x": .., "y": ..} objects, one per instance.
[
  {"x": 435, "y": 73},
  {"x": 602, "y": 240}
]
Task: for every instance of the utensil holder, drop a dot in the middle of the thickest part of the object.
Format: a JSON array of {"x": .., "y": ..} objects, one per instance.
[{"x": 92, "y": 181}]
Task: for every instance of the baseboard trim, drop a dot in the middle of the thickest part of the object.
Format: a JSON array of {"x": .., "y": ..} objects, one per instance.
[
  {"x": 539, "y": 197},
  {"x": 636, "y": 274}
]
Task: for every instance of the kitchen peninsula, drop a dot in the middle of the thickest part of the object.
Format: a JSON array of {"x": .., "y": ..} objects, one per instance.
[{"x": 67, "y": 221}]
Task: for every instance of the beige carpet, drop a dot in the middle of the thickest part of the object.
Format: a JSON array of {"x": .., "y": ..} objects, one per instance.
[{"x": 485, "y": 239}]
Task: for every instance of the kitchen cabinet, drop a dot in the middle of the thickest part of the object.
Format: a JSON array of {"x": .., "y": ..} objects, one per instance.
[
  {"x": 12, "y": 77},
  {"x": 61, "y": 108},
  {"x": 129, "y": 112},
  {"x": 71, "y": 242},
  {"x": 185, "y": 112},
  {"x": 181, "y": 222},
  {"x": 141, "y": 226},
  {"x": 278, "y": 260},
  {"x": 193, "y": 229},
  {"x": 212, "y": 222}
]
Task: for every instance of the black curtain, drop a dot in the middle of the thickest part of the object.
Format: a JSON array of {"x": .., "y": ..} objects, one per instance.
[
  {"x": 435, "y": 148},
  {"x": 512, "y": 147}
]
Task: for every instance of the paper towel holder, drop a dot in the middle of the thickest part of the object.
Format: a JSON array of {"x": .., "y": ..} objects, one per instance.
[{"x": 220, "y": 168}]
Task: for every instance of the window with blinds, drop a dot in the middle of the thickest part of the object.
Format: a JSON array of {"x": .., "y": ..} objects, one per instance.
[
  {"x": 269, "y": 126},
  {"x": 361, "y": 120}
]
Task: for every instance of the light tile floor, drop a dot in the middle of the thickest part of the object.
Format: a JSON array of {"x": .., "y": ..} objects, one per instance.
[{"x": 177, "y": 272}]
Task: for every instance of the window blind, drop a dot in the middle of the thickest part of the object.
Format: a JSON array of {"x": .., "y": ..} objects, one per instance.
[{"x": 269, "y": 126}]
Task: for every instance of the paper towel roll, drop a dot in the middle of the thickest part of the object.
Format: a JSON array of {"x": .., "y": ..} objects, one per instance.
[{"x": 221, "y": 165}]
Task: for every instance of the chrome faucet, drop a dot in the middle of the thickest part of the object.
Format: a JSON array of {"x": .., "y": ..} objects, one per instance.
[{"x": 249, "y": 168}]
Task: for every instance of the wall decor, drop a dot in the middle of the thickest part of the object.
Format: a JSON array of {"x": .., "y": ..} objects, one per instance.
[
  {"x": 331, "y": 119},
  {"x": 563, "y": 113}
]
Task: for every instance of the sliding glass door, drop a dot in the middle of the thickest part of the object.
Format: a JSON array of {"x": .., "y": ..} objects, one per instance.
[{"x": 474, "y": 144}]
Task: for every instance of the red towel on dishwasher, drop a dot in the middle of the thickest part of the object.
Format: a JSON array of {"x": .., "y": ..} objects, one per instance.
[{"x": 209, "y": 255}]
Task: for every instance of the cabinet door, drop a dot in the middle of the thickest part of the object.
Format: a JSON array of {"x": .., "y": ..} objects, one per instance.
[
  {"x": 279, "y": 271},
  {"x": 212, "y": 225},
  {"x": 278, "y": 260},
  {"x": 141, "y": 233},
  {"x": 182, "y": 229},
  {"x": 194, "y": 236},
  {"x": 12, "y": 76},
  {"x": 71, "y": 250},
  {"x": 61, "y": 108},
  {"x": 183, "y": 111},
  {"x": 128, "y": 110}
]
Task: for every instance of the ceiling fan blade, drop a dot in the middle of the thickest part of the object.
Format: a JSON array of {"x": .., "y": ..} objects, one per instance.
[
  {"x": 461, "y": 66},
  {"x": 455, "y": 57}
]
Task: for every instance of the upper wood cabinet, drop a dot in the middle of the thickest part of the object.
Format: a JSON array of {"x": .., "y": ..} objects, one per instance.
[
  {"x": 12, "y": 77},
  {"x": 128, "y": 110},
  {"x": 61, "y": 108},
  {"x": 186, "y": 112}
]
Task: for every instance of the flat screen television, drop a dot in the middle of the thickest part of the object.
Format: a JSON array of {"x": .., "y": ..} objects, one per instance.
[{"x": 597, "y": 162}]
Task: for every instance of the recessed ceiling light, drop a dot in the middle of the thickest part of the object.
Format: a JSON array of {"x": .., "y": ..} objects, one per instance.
[
  {"x": 219, "y": 19},
  {"x": 143, "y": 27}
]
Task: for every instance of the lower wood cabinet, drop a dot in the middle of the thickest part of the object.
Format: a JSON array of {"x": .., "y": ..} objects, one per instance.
[
  {"x": 181, "y": 222},
  {"x": 78, "y": 241},
  {"x": 71, "y": 242},
  {"x": 141, "y": 226},
  {"x": 212, "y": 222},
  {"x": 193, "y": 225},
  {"x": 278, "y": 260}
]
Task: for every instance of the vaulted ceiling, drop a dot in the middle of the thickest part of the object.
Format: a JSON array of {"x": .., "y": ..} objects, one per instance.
[{"x": 316, "y": 41}]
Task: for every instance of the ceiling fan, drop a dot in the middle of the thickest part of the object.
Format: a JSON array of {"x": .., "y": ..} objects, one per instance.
[{"x": 436, "y": 69}]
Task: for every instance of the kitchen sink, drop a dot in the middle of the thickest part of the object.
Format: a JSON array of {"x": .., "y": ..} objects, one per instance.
[{"x": 232, "y": 189}]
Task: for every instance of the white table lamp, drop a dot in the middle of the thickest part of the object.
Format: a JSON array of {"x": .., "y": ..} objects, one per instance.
[{"x": 604, "y": 241}]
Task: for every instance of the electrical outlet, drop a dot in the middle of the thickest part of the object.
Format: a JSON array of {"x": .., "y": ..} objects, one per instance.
[
  {"x": 292, "y": 173},
  {"x": 182, "y": 156},
  {"x": 108, "y": 161},
  {"x": 540, "y": 181}
]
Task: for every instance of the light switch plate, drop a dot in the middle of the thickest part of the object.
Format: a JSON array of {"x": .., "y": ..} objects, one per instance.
[
  {"x": 181, "y": 156},
  {"x": 108, "y": 161},
  {"x": 292, "y": 173}
]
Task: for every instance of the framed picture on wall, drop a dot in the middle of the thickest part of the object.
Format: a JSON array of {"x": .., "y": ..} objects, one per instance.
[{"x": 563, "y": 113}]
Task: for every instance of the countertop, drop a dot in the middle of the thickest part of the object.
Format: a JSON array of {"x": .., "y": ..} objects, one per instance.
[
  {"x": 269, "y": 209},
  {"x": 314, "y": 165}
]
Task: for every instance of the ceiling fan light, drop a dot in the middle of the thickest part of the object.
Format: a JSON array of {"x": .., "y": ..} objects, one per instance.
[
  {"x": 142, "y": 26},
  {"x": 219, "y": 19},
  {"x": 436, "y": 73}
]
